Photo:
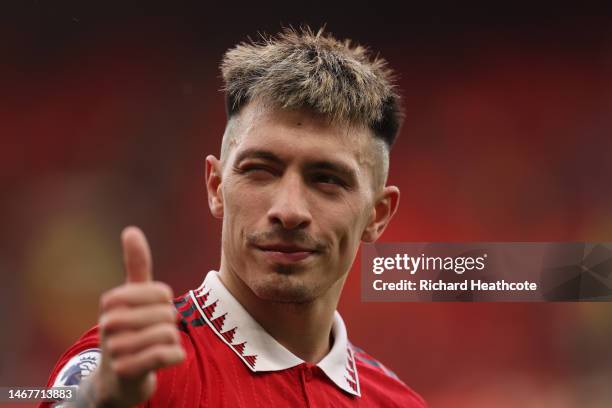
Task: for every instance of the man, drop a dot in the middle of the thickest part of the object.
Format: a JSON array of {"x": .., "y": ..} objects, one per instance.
[{"x": 299, "y": 184}]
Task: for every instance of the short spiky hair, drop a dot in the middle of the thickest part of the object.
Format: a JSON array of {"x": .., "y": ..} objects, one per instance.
[{"x": 300, "y": 68}]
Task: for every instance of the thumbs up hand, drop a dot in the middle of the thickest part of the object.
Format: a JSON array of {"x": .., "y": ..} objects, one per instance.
[{"x": 138, "y": 332}]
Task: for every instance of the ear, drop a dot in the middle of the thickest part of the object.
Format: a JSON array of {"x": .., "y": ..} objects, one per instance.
[
  {"x": 381, "y": 214},
  {"x": 213, "y": 186}
]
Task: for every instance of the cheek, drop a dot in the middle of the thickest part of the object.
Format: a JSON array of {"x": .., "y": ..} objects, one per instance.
[
  {"x": 346, "y": 222},
  {"x": 243, "y": 208}
]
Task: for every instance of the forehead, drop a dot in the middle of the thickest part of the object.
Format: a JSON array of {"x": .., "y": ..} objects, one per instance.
[{"x": 302, "y": 134}]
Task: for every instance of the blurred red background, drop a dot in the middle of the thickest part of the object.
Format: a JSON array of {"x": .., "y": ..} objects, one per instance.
[{"x": 108, "y": 113}]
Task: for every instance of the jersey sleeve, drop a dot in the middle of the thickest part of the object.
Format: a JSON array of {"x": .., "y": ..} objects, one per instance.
[
  {"x": 83, "y": 357},
  {"x": 76, "y": 364}
]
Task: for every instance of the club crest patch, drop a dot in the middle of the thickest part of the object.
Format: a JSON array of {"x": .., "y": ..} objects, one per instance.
[{"x": 78, "y": 367}]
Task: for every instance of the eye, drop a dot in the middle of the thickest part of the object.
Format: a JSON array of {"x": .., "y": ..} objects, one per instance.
[
  {"x": 328, "y": 179},
  {"x": 256, "y": 170}
]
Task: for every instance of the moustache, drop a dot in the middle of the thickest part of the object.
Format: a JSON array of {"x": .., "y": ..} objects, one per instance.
[{"x": 289, "y": 237}]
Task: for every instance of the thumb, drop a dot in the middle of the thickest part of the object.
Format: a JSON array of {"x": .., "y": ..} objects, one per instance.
[{"x": 136, "y": 255}]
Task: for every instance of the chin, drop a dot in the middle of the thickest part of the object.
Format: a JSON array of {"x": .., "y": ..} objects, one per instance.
[{"x": 285, "y": 288}]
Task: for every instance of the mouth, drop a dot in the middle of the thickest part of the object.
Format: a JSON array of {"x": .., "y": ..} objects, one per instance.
[{"x": 286, "y": 254}]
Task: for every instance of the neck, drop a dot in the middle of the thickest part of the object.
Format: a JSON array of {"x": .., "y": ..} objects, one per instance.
[{"x": 302, "y": 328}]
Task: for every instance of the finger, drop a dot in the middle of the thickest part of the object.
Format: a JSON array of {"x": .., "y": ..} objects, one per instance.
[
  {"x": 136, "y": 295},
  {"x": 136, "y": 255},
  {"x": 136, "y": 318},
  {"x": 152, "y": 358},
  {"x": 135, "y": 341}
]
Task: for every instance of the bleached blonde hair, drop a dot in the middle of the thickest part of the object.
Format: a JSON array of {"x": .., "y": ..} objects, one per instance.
[{"x": 298, "y": 68}]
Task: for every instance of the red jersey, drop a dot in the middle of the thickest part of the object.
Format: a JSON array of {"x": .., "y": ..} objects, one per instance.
[{"x": 233, "y": 362}]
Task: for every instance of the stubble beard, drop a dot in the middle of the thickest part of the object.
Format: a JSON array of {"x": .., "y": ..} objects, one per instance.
[{"x": 286, "y": 287}]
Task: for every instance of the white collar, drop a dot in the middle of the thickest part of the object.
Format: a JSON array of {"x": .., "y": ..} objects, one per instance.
[{"x": 258, "y": 349}]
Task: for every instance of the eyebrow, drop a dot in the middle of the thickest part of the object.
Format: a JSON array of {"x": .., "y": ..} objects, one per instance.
[
  {"x": 342, "y": 169},
  {"x": 257, "y": 154}
]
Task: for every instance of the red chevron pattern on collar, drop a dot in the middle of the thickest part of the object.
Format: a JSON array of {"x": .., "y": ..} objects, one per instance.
[{"x": 259, "y": 350}]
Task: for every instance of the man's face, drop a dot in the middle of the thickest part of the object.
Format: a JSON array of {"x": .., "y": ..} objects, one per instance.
[{"x": 297, "y": 194}]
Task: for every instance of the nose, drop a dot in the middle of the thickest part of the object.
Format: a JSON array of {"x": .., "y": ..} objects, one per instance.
[{"x": 289, "y": 204}]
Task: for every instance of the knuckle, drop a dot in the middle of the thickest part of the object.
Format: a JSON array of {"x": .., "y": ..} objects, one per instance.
[
  {"x": 116, "y": 366},
  {"x": 157, "y": 356},
  {"x": 171, "y": 313},
  {"x": 120, "y": 368},
  {"x": 170, "y": 334},
  {"x": 164, "y": 290},
  {"x": 176, "y": 337},
  {"x": 112, "y": 297},
  {"x": 114, "y": 346},
  {"x": 166, "y": 313},
  {"x": 176, "y": 355},
  {"x": 181, "y": 354},
  {"x": 103, "y": 323},
  {"x": 166, "y": 355},
  {"x": 105, "y": 300},
  {"x": 110, "y": 321},
  {"x": 111, "y": 346}
]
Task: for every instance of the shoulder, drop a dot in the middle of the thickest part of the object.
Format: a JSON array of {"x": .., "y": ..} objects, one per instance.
[
  {"x": 187, "y": 313},
  {"x": 377, "y": 380},
  {"x": 78, "y": 362},
  {"x": 200, "y": 340}
]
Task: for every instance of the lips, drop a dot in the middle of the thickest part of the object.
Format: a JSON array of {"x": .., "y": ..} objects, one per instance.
[
  {"x": 283, "y": 253},
  {"x": 284, "y": 248}
]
